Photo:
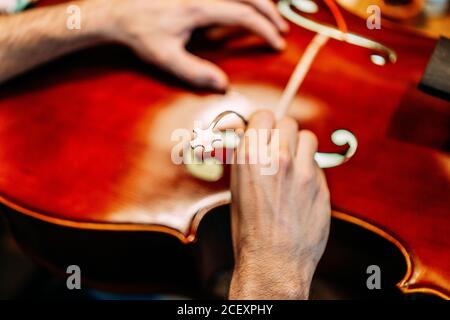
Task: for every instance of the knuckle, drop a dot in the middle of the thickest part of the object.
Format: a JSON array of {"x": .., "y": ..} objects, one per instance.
[
  {"x": 253, "y": 2},
  {"x": 193, "y": 8},
  {"x": 284, "y": 159},
  {"x": 261, "y": 3},
  {"x": 307, "y": 178},
  {"x": 246, "y": 14}
]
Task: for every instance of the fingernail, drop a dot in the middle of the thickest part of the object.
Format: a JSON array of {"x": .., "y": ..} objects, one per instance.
[
  {"x": 219, "y": 84},
  {"x": 284, "y": 26},
  {"x": 280, "y": 44}
]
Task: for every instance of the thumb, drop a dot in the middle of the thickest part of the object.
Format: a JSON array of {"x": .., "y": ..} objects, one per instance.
[{"x": 195, "y": 70}]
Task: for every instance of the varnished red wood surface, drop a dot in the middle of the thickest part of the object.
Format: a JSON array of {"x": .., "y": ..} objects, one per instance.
[{"x": 86, "y": 140}]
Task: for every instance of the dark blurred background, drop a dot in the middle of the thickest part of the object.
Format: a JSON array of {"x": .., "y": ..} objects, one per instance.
[
  {"x": 341, "y": 273},
  {"x": 21, "y": 278}
]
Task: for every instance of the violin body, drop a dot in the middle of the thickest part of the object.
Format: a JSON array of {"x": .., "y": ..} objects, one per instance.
[{"x": 85, "y": 154}]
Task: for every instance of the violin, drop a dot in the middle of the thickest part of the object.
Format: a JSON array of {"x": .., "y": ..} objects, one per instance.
[{"x": 86, "y": 175}]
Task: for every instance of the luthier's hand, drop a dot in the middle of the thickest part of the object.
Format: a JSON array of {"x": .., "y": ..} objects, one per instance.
[
  {"x": 280, "y": 222},
  {"x": 158, "y": 31}
]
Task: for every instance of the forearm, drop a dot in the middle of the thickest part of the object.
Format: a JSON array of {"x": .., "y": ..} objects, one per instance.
[{"x": 40, "y": 35}]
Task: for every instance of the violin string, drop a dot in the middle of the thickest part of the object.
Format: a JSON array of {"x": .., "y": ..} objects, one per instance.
[
  {"x": 299, "y": 74},
  {"x": 337, "y": 14}
]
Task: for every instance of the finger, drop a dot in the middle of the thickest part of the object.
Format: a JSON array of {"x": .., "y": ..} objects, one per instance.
[
  {"x": 195, "y": 70},
  {"x": 269, "y": 9},
  {"x": 260, "y": 120},
  {"x": 306, "y": 149},
  {"x": 323, "y": 182},
  {"x": 234, "y": 13},
  {"x": 287, "y": 128}
]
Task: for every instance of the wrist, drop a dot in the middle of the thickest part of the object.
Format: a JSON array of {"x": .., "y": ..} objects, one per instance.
[
  {"x": 98, "y": 19},
  {"x": 269, "y": 280},
  {"x": 113, "y": 21},
  {"x": 262, "y": 286}
]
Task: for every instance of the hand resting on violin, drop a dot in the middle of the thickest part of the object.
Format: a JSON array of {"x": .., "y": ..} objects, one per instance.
[{"x": 156, "y": 30}]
